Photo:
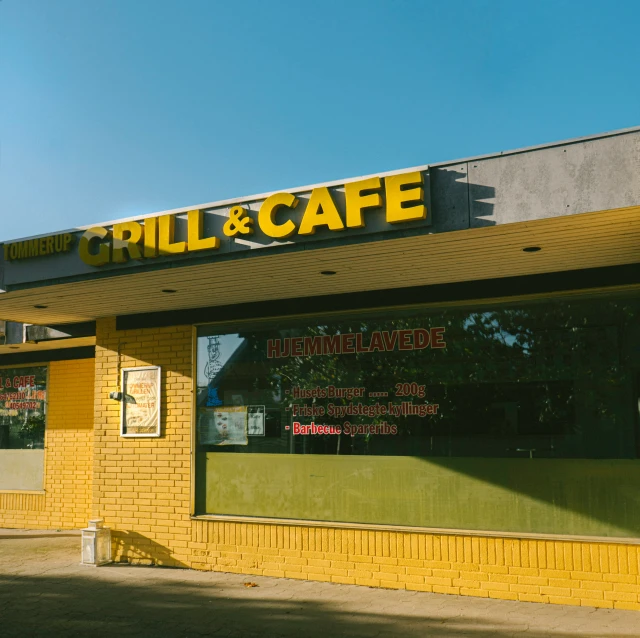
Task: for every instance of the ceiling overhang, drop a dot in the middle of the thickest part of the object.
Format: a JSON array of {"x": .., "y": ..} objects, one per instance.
[{"x": 589, "y": 240}]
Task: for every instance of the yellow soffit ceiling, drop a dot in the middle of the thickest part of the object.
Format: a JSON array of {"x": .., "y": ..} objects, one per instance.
[{"x": 590, "y": 240}]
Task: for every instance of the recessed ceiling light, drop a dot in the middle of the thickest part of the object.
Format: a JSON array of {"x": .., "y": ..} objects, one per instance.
[
  {"x": 40, "y": 306},
  {"x": 327, "y": 272},
  {"x": 531, "y": 249},
  {"x": 169, "y": 291}
]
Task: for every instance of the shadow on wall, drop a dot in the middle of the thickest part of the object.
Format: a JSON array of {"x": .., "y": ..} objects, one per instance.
[
  {"x": 134, "y": 548},
  {"x": 458, "y": 204},
  {"x": 122, "y": 601},
  {"x": 590, "y": 497}
]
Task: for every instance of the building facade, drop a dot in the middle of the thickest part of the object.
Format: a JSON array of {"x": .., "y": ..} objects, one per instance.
[{"x": 427, "y": 379}]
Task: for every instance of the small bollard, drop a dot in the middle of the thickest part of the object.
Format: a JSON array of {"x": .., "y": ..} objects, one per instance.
[{"x": 96, "y": 544}]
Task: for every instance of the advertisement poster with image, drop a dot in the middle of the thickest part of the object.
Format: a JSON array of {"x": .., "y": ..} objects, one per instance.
[
  {"x": 223, "y": 426},
  {"x": 141, "y": 401}
]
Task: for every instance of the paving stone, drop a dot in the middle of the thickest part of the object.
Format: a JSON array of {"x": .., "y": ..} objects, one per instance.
[{"x": 45, "y": 591}]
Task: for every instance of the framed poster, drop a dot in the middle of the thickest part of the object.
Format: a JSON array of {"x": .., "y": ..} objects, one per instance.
[{"x": 140, "y": 405}]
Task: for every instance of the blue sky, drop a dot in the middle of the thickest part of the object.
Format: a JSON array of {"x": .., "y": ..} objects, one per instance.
[{"x": 117, "y": 108}]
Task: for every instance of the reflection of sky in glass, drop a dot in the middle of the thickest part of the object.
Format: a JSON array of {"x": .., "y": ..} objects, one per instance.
[{"x": 228, "y": 345}]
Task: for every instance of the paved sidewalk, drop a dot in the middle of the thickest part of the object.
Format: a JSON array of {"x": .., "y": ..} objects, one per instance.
[{"x": 44, "y": 591}]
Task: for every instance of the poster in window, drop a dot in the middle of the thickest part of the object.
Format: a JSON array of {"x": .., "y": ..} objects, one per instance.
[
  {"x": 140, "y": 414},
  {"x": 223, "y": 426},
  {"x": 255, "y": 420},
  {"x": 23, "y": 407}
]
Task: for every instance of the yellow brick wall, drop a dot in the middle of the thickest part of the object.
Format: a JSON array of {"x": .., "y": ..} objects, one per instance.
[
  {"x": 566, "y": 573},
  {"x": 141, "y": 488},
  {"x": 68, "y": 465}
]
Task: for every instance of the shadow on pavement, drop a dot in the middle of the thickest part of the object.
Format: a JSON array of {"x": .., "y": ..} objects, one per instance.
[{"x": 106, "y": 602}]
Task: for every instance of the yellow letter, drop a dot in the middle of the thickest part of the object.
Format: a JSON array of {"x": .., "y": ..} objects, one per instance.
[
  {"x": 166, "y": 227},
  {"x": 103, "y": 255},
  {"x": 320, "y": 211},
  {"x": 268, "y": 211},
  {"x": 196, "y": 241},
  {"x": 396, "y": 196},
  {"x": 151, "y": 237},
  {"x": 126, "y": 236},
  {"x": 357, "y": 201},
  {"x": 6, "y": 252}
]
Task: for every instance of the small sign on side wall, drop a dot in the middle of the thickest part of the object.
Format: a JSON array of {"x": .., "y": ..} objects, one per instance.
[{"x": 140, "y": 403}]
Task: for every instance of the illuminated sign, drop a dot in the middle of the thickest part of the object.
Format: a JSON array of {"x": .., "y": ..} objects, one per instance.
[{"x": 400, "y": 196}]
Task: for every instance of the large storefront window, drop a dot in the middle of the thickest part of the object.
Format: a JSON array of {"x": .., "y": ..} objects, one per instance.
[
  {"x": 23, "y": 401},
  {"x": 553, "y": 379}
]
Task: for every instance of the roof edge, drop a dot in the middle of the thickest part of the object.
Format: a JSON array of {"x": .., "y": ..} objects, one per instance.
[{"x": 339, "y": 182}]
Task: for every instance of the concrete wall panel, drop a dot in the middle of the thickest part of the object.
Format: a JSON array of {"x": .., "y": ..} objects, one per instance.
[{"x": 565, "y": 180}]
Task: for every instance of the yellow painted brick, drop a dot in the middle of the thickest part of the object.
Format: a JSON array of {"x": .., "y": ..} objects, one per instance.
[
  {"x": 524, "y": 571},
  {"x": 595, "y": 585},
  {"x": 493, "y": 586},
  {"x": 595, "y": 602},
  {"x": 481, "y": 593},
  {"x": 336, "y": 572},
  {"x": 471, "y": 575},
  {"x": 343, "y": 580},
  {"x": 495, "y": 569},
  {"x": 361, "y": 573},
  {"x": 621, "y": 596},
  {"x": 533, "y": 598},
  {"x": 626, "y": 605},
  {"x": 504, "y": 578},
  {"x": 525, "y": 589},
  {"x": 591, "y": 594},
  {"x": 419, "y": 571},
  {"x": 407, "y": 578},
  {"x": 392, "y": 584},
  {"x": 386, "y": 560},
  {"x": 532, "y": 580},
  {"x": 335, "y": 556},
  {"x": 503, "y": 595},
  {"x": 564, "y": 600},
  {"x": 468, "y": 584},
  {"x": 442, "y": 589},
  {"x": 446, "y": 573},
  {"x": 620, "y": 578},
  {"x": 368, "y": 582},
  {"x": 437, "y": 564},
  {"x": 562, "y": 582},
  {"x": 418, "y": 587},
  {"x": 443, "y": 582},
  {"x": 626, "y": 587},
  {"x": 465, "y": 566},
  {"x": 555, "y": 573},
  {"x": 556, "y": 591},
  {"x": 577, "y": 575}
]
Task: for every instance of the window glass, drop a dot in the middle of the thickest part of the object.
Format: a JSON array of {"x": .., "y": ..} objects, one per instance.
[
  {"x": 23, "y": 401},
  {"x": 549, "y": 379}
]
